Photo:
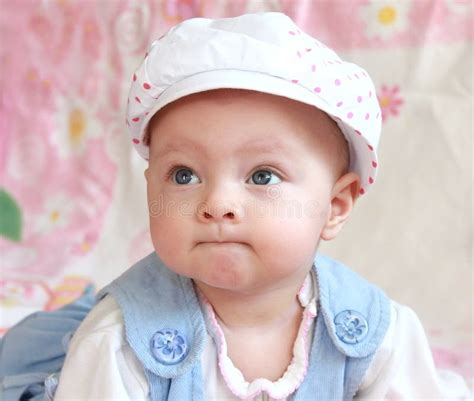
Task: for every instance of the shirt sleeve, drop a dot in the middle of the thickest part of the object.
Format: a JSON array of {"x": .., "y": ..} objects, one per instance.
[
  {"x": 99, "y": 364},
  {"x": 403, "y": 367}
]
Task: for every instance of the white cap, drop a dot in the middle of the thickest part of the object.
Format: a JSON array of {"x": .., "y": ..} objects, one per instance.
[{"x": 264, "y": 52}]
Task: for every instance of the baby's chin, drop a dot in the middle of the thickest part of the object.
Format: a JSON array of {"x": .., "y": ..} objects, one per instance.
[
  {"x": 229, "y": 266},
  {"x": 221, "y": 270}
]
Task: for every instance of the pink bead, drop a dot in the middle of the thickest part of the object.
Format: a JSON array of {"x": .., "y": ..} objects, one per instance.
[
  {"x": 350, "y": 115},
  {"x": 337, "y": 82},
  {"x": 317, "y": 89},
  {"x": 359, "y": 99},
  {"x": 339, "y": 104}
]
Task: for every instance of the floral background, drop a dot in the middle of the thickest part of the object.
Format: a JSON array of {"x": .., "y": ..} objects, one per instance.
[{"x": 72, "y": 195}]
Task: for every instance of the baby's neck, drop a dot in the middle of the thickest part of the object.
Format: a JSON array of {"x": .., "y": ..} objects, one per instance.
[{"x": 264, "y": 309}]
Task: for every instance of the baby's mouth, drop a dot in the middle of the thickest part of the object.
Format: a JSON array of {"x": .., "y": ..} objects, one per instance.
[{"x": 221, "y": 243}]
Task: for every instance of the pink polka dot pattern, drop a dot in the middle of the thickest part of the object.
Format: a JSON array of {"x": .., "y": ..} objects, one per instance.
[{"x": 277, "y": 58}]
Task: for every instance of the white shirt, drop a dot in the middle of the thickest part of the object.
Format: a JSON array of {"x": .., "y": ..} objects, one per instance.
[{"x": 100, "y": 364}]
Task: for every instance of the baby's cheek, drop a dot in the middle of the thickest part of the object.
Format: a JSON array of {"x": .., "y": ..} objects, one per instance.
[
  {"x": 289, "y": 241},
  {"x": 167, "y": 238}
]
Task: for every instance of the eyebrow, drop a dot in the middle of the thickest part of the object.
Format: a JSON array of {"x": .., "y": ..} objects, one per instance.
[
  {"x": 176, "y": 146},
  {"x": 266, "y": 145}
]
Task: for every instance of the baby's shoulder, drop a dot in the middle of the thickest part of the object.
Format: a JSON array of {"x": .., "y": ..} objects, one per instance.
[
  {"x": 404, "y": 323},
  {"x": 404, "y": 330},
  {"x": 104, "y": 319}
]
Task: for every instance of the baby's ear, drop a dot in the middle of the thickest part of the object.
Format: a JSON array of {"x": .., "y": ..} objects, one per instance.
[
  {"x": 146, "y": 173},
  {"x": 343, "y": 197}
]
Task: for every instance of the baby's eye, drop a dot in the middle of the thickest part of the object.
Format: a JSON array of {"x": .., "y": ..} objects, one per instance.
[
  {"x": 184, "y": 176},
  {"x": 265, "y": 177}
]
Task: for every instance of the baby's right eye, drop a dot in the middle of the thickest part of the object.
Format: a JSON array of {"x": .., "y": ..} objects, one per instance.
[{"x": 184, "y": 176}]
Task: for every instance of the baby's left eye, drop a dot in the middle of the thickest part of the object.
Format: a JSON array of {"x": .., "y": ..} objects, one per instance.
[{"x": 265, "y": 177}]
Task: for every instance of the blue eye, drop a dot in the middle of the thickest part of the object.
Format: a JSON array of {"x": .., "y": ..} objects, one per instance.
[
  {"x": 264, "y": 177},
  {"x": 184, "y": 176}
]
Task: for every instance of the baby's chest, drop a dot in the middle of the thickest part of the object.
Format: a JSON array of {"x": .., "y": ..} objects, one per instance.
[{"x": 266, "y": 357}]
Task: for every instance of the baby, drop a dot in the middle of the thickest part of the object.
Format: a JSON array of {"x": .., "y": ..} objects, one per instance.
[{"x": 259, "y": 140}]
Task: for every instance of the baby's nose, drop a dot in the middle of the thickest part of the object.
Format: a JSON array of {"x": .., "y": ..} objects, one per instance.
[{"x": 219, "y": 212}]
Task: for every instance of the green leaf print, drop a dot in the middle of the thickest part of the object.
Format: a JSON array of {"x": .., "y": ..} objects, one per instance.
[{"x": 10, "y": 217}]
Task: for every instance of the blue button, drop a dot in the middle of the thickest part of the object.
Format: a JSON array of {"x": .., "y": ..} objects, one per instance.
[
  {"x": 351, "y": 326},
  {"x": 168, "y": 346}
]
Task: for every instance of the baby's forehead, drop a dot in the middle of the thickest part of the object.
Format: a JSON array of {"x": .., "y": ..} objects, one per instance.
[
  {"x": 247, "y": 115},
  {"x": 241, "y": 122}
]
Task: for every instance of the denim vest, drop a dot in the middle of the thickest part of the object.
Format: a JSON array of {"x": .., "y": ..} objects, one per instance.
[{"x": 165, "y": 327}]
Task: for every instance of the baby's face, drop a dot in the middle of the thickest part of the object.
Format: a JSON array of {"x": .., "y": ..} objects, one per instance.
[{"x": 239, "y": 187}]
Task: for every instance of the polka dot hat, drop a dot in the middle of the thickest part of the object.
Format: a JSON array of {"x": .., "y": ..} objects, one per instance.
[{"x": 264, "y": 52}]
